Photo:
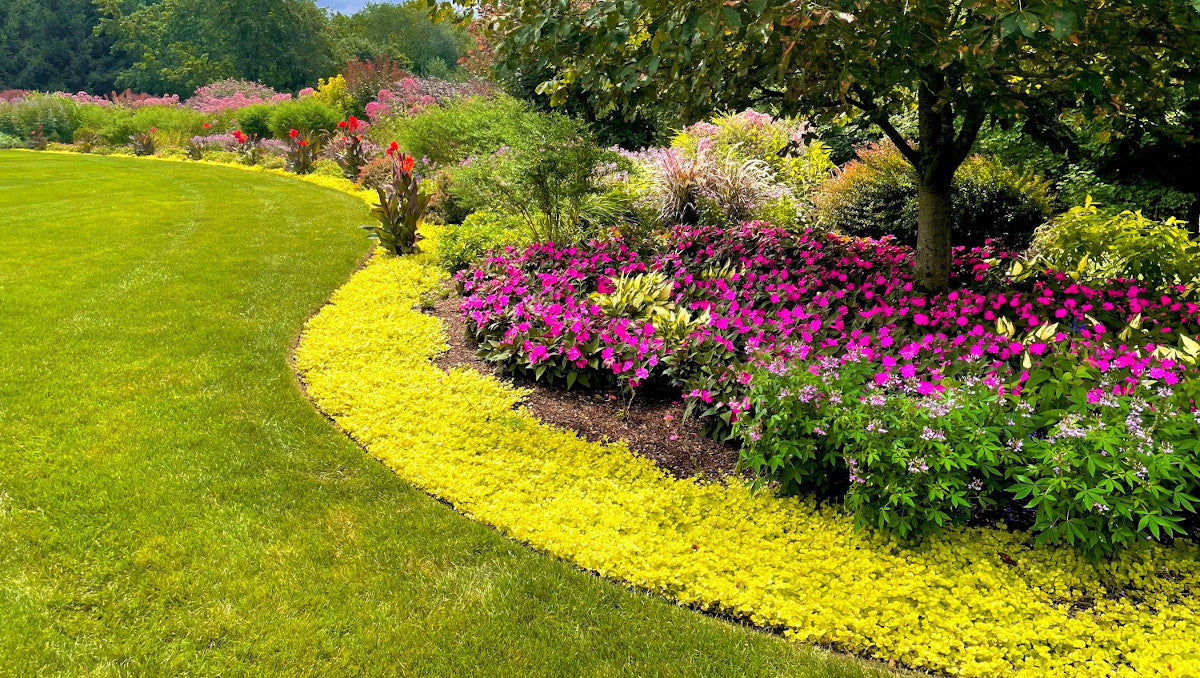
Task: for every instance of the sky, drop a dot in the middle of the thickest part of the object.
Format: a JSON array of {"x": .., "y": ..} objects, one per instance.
[{"x": 343, "y": 6}]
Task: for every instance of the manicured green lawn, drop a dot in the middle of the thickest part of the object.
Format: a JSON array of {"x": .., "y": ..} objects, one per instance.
[{"x": 171, "y": 505}]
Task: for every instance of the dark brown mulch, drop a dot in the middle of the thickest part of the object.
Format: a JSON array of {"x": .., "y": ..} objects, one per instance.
[{"x": 653, "y": 425}]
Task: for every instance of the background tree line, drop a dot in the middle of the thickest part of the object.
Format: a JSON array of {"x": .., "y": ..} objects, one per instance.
[{"x": 174, "y": 46}]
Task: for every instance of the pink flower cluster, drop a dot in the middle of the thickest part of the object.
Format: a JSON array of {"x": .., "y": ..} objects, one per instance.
[
  {"x": 85, "y": 98},
  {"x": 412, "y": 95},
  {"x": 802, "y": 297},
  {"x": 140, "y": 100},
  {"x": 232, "y": 93}
]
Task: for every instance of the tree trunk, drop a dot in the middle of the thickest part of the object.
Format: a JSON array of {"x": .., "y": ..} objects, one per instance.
[
  {"x": 1193, "y": 214},
  {"x": 934, "y": 221}
]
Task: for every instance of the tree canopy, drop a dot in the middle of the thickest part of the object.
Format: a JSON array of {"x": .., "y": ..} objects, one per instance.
[
  {"x": 52, "y": 45},
  {"x": 174, "y": 46},
  {"x": 402, "y": 31},
  {"x": 178, "y": 45},
  {"x": 959, "y": 63}
]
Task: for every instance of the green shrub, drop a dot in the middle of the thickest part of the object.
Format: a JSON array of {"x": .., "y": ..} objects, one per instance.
[
  {"x": 308, "y": 115},
  {"x": 460, "y": 245},
  {"x": 174, "y": 125},
  {"x": 1094, "y": 246},
  {"x": 1101, "y": 471},
  {"x": 10, "y": 141},
  {"x": 56, "y": 117},
  {"x": 93, "y": 118},
  {"x": 468, "y": 187},
  {"x": 376, "y": 173},
  {"x": 548, "y": 176},
  {"x": 446, "y": 135},
  {"x": 255, "y": 120},
  {"x": 877, "y": 196},
  {"x": 119, "y": 129}
]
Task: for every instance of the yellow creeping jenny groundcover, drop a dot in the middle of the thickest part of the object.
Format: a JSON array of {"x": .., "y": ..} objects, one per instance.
[{"x": 949, "y": 604}]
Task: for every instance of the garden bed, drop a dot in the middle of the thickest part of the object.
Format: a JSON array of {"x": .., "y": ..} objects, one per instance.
[
  {"x": 969, "y": 601},
  {"x": 653, "y": 425}
]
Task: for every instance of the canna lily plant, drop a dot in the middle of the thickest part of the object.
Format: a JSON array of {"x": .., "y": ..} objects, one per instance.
[
  {"x": 37, "y": 139},
  {"x": 352, "y": 155},
  {"x": 401, "y": 208},
  {"x": 249, "y": 147},
  {"x": 300, "y": 154}
]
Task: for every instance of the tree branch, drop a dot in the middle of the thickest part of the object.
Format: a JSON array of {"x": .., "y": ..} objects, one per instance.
[
  {"x": 973, "y": 120},
  {"x": 879, "y": 117}
]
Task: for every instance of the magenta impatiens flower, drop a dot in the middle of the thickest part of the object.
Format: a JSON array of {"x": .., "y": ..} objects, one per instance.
[{"x": 800, "y": 297}]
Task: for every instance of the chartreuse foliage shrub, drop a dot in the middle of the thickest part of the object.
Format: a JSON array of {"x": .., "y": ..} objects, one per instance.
[
  {"x": 950, "y": 603},
  {"x": 1095, "y": 246},
  {"x": 307, "y": 115},
  {"x": 255, "y": 120},
  {"x": 333, "y": 91},
  {"x": 461, "y": 245},
  {"x": 876, "y": 195}
]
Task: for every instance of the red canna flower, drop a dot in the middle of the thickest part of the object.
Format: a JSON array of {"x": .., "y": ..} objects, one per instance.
[
  {"x": 153, "y": 130},
  {"x": 304, "y": 142},
  {"x": 293, "y": 133},
  {"x": 343, "y": 124},
  {"x": 407, "y": 164},
  {"x": 393, "y": 148},
  {"x": 353, "y": 123},
  {"x": 206, "y": 125}
]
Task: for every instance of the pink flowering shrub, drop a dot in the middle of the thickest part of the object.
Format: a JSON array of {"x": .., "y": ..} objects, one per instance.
[
  {"x": 85, "y": 98},
  {"x": 761, "y": 304},
  {"x": 231, "y": 94},
  {"x": 130, "y": 99},
  {"x": 411, "y": 95}
]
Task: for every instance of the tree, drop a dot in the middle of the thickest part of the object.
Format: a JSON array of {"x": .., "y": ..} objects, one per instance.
[
  {"x": 959, "y": 63},
  {"x": 179, "y": 45},
  {"x": 403, "y": 31},
  {"x": 51, "y": 45}
]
